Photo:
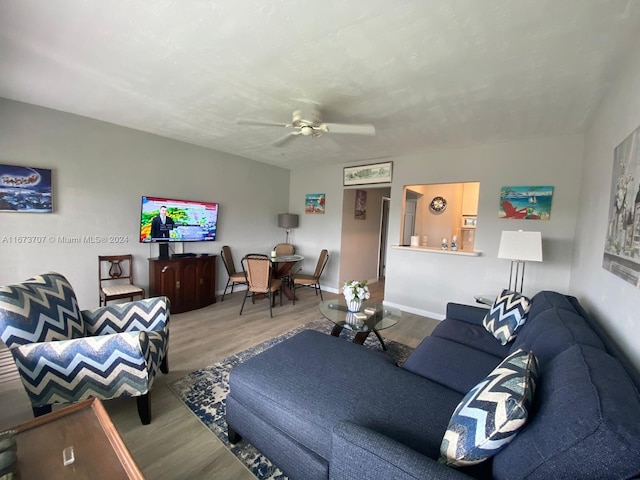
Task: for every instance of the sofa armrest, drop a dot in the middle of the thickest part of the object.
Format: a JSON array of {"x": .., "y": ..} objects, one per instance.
[
  {"x": 361, "y": 453},
  {"x": 140, "y": 315},
  {"x": 466, "y": 313}
]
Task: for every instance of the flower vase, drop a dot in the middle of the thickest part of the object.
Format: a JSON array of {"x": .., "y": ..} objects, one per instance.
[{"x": 354, "y": 305}]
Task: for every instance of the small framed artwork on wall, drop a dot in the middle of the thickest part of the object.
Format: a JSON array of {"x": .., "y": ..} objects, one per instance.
[{"x": 314, "y": 203}]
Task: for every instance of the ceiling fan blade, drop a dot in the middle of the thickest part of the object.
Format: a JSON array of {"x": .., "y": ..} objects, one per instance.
[
  {"x": 365, "y": 129},
  {"x": 285, "y": 139},
  {"x": 242, "y": 121}
]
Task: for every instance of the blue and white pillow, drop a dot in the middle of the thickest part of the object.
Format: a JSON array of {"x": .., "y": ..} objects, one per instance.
[
  {"x": 507, "y": 314},
  {"x": 490, "y": 415}
]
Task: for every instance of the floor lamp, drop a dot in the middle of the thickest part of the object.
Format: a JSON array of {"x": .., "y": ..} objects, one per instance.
[
  {"x": 288, "y": 221},
  {"x": 519, "y": 247}
]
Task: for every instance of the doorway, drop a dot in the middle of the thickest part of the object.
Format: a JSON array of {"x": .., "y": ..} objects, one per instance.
[{"x": 362, "y": 241}]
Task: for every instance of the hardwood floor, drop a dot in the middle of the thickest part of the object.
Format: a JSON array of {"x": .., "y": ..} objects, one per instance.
[{"x": 176, "y": 445}]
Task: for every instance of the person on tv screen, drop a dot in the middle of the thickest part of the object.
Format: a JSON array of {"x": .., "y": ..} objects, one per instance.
[{"x": 161, "y": 225}]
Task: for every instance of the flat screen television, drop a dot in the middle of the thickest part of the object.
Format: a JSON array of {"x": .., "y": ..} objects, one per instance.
[{"x": 171, "y": 220}]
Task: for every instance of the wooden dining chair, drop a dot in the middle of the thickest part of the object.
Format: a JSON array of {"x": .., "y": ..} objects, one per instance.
[
  {"x": 234, "y": 277},
  {"x": 115, "y": 278},
  {"x": 306, "y": 280},
  {"x": 258, "y": 271}
]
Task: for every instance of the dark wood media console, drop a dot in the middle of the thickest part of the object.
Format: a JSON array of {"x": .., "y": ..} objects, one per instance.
[{"x": 189, "y": 282}]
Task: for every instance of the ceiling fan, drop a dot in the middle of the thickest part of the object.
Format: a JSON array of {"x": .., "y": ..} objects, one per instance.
[{"x": 309, "y": 124}]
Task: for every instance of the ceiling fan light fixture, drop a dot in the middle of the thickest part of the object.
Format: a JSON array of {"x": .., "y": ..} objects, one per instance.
[{"x": 306, "y": 130}]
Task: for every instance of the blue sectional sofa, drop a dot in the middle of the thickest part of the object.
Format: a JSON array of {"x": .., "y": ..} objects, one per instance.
[{"x": 319, "y": 407}]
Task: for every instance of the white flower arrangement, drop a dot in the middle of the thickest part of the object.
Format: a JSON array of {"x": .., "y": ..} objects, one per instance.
[{"x": 354, "y": 290}]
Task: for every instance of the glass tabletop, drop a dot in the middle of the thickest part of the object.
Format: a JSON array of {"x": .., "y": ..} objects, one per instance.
[{"x": 377, "y": 316}]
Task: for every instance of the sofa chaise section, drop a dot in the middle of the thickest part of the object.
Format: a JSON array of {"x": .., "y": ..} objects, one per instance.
[{"x": 320, "y": 407}]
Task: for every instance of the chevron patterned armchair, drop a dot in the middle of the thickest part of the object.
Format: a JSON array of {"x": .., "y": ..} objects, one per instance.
[{"x": 67, "y": 355}]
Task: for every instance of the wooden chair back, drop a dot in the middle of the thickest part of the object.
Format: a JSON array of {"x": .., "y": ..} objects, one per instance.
[{"x": 115, "y": 278}]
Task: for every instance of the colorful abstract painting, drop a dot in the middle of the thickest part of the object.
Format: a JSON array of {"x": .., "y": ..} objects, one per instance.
[
  {"x": 526, "y": 203},
  {"x": 25, "y": 189},
  {"x": 622, "y": 244}
]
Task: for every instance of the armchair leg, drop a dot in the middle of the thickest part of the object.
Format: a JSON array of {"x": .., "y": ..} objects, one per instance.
[
  {"x": 233, "y": 436},
  {"x": 144, "y": 408},
  {"x": 164, "y": 366},
  {"x": 38, "y": 411}
]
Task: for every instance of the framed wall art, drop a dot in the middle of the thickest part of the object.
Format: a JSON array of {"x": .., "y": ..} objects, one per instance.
[
  {"x": 525, "y": 203},
  {"x": 622, "y": 244},
  {"x": 25, "y": 189},
  {"x": 314, "y": 203},
  {"x": 368, "y": 174},
  {"x": 361, "y": 205}
]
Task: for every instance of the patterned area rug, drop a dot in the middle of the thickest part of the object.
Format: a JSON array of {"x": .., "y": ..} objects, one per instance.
[{"x": 204, "y": 392}]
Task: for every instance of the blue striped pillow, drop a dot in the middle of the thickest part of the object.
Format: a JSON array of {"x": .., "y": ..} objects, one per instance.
[
  {"x": 507, "y": 314},
  {"x": 490, "y": 415}
]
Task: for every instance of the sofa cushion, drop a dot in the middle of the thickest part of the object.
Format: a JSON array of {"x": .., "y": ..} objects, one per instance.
[
  {"x": 553, "y": 331},
  {"x": 585, "y": 423},
  {"x": 308, "y": 383},
  {"x": 507, "y": 314},
  {"x": 451, "y": 364},
  {"x": 547, "y": 299},
  {"x": 475, "y": 336},
  {"x": 491, "y": 414}
]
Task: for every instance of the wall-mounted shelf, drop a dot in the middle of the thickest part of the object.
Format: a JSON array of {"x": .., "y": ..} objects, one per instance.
[{"x": 438, "y": 250}]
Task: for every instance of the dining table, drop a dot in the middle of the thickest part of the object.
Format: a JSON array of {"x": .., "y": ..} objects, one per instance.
[{"x": 282, "y": 266}]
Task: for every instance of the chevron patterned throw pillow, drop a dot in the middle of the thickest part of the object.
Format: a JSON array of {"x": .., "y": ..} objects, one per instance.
[
  {"x": 490, "y": 415},
  {"x": 507, "y": 314}
]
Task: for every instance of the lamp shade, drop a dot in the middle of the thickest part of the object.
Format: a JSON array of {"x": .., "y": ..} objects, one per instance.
[
  {"x": 523, "y": 246},
  {"x": 288, "y": 220}
]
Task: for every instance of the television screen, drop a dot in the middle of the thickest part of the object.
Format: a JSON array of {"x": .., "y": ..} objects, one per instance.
[{"x": 168, "y": 220}]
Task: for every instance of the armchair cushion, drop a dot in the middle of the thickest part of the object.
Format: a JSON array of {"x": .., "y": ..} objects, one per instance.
[
  {"x": 41, "y": 309},
  {"x": 71, "y": 370}
]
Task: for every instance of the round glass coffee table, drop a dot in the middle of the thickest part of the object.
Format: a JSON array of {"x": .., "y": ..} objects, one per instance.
[{"x": 372, "y": 317}]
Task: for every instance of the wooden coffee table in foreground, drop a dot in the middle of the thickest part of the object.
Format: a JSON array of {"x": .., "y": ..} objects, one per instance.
[
  {"x": 383, "y": 317},
  {"x": 99, "y": 452}
]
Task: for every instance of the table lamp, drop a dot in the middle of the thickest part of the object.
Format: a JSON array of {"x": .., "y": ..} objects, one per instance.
[
  {"x": 288, "y": 221},
  {"x": 519, "y": 247}
]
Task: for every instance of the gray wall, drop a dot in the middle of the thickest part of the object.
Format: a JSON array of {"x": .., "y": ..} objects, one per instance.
[
  {"x": 100, "y": 172},
  {"x": 614, "y": 302},
  {"x": 423, "y": 282}
]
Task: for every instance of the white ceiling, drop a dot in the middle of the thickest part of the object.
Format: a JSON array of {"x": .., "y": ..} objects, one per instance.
[{"x": 426, "y": 73}]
